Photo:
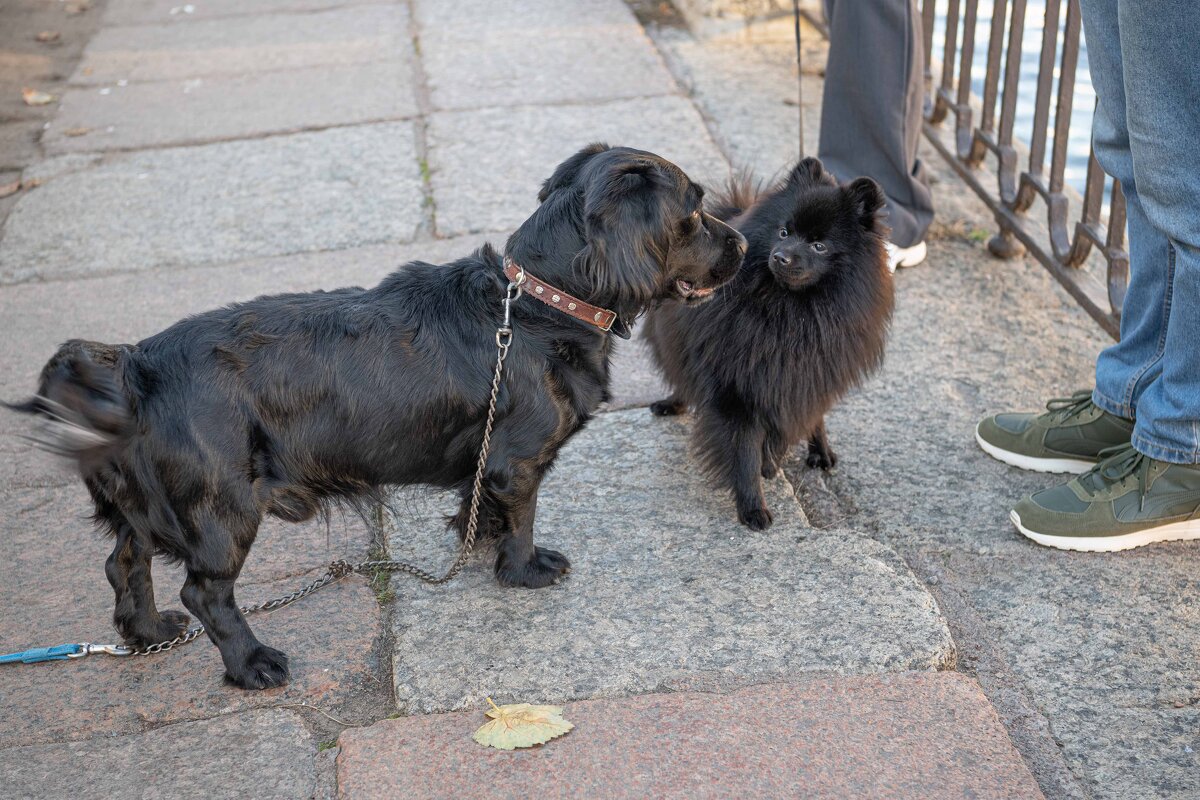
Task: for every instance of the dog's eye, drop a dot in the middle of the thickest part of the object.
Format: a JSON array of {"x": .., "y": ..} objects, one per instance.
[
  {"x": 819, "y": 248},
  {"x": 783, "y": 233}
]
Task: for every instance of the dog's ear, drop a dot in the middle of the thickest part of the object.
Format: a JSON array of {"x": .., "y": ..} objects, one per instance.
[
  {"x": 628, "y": 235},
  {"x": 810, "y": 172},
  {"x": 566, "y": 172},
  {"x": 869, "y": 200}
]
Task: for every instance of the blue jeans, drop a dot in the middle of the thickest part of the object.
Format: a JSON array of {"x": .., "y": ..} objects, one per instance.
[{"x": 1146, "y": 134}]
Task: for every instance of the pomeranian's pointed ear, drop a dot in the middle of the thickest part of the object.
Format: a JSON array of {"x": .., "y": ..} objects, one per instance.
[
  {"x": 569, "y": 169},
  {"x": 869, "y": 200},
  {"x": 810, "y": 172}
]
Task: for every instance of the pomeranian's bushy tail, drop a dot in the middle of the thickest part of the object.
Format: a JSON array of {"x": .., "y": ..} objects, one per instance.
[
  {"x": 741, "y": 191},
  {"x": 88, "y": 415}
]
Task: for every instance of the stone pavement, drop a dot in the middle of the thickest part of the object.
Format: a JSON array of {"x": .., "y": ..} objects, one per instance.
[
  {"x": 1092, "y": 660},
  {"x": 928, "y": 735},
  {"x": 211, "y": 152}
]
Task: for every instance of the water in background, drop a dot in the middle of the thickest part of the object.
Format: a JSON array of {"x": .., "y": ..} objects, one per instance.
[{"x": 1079, "y": 137}]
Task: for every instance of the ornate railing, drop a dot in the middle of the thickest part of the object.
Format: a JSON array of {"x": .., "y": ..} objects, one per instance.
[{"x": 1063, "y": 245}]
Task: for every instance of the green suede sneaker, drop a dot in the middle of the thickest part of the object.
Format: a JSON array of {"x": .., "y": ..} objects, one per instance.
[
  {"x": 1127, "y": 500},
  {"x": 1067, "y": 438}
]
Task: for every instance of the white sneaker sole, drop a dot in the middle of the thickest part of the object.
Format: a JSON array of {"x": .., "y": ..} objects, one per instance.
[
  {"x": 903, "y": 257},
  {"x": 1187, "y": 530},
  {"x": 1074, "y": 465}
]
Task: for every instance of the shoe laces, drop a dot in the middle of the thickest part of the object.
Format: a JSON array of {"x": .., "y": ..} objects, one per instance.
[
  {"x": 1064, "y": 408},
  {"x": 1115, "y": 465}
]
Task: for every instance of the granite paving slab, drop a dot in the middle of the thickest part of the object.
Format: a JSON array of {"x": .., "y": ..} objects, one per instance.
[
  {"x": 667, "y": 588},
  {"x": 148, "y": 12},
  {"x": 748, "y": 95},
  {"x": 237, "y": 45},
  {"x": 511, "y": 151},
  {"x": 929, "y": 735},
  {"x": 196, "y": 110},
  {"x": 184, "y": 206},
  {"x": 477, "y": 17},
  {"x": 480, "y": 54},
  {"x": 53, "y": 590},
  {"x": 260, "y": 754}
]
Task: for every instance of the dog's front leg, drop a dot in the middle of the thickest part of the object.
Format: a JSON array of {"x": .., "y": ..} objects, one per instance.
[
  {"x": 248, "y": 663},
  {"x": 732, "y": 447},
  {"x": 518, "y": 561}
]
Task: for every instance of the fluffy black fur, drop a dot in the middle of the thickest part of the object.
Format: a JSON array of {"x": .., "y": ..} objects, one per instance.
[
  {"x": 803, "y": 322},
  {"x": 286, "y": 404}
]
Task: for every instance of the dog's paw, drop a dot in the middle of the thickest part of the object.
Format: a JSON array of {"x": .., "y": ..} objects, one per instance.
[
  {"x": 667, "y": 408},
  {"x": 264, "y": 668},
  {"x": 142, "y": 632},
  {"x": 173, "y": 623},
  {"x": 546, "y": 568},
  {"x": 756, "y": 519},
  {"x": 770, "y": 470},
  {"x": 821, "y": 459}
]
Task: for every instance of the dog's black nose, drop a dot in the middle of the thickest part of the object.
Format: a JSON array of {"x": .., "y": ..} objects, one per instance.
[
  {"x": 737, "y": 242},
  {"x": 781, "y": 259}
]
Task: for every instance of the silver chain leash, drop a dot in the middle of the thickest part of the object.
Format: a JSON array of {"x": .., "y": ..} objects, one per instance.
[{"x": 341, "y": 568}]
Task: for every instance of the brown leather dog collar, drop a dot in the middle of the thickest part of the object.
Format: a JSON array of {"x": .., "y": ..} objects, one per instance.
[{"x": 607, "y": 321}]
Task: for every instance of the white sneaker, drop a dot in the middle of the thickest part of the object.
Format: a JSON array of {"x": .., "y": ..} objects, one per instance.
[{"x": 905, "y": 256}]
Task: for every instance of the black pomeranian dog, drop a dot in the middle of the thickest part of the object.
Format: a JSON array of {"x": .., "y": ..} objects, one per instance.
[
  {"x": 286, "y": 404},
  {"x": 804, "y": 321}
]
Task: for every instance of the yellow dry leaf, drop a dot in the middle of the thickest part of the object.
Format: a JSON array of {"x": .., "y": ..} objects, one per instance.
[
  {"x": 10, "y": 188},
  {"x": 35, "y": 97},
  {"x": 77, "y": 131},
  {"x": 48, "y": 36},
  {"x": 521, "y": 725}
]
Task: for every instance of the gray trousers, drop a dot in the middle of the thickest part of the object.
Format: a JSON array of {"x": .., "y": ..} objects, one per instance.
[{"x": 871, "y": 111}]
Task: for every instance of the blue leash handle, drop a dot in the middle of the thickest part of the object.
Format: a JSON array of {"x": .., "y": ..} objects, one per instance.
[
  {"x": 62, "y": 652},
  {"x": 37, "y": 655}
]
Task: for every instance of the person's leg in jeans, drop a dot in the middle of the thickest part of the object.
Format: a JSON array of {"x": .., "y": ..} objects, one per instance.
[
  {"x": 1124, "y": 370},
  {"x": 871, "y": 110},
  {"x": 1146, "y": 128},
  {"x": 1146, "y": 134}
]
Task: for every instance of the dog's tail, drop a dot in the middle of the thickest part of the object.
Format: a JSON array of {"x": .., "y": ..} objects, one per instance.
[
  {"x": 741, "y": 191},
  {"x": 88, "y": 415}
]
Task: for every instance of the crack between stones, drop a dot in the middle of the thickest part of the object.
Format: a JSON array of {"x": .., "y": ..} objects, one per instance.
[{"x": 421, "y": 94}]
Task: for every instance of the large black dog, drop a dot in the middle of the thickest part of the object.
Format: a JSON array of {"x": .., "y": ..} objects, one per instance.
[
  {"x": 286, "y": 404},
  {"x": 805, "y": 320}
]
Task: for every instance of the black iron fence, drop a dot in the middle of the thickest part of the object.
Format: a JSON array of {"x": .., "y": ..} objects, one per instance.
[{"x": 1016, "y": 184}]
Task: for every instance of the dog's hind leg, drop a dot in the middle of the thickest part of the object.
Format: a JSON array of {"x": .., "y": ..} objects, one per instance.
[
  {"x": 208, "y": 593},
  {"x": 135, "y": 616},
  {"x": 669, "y": 407},
  {"x": 820, "y": 454}
]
